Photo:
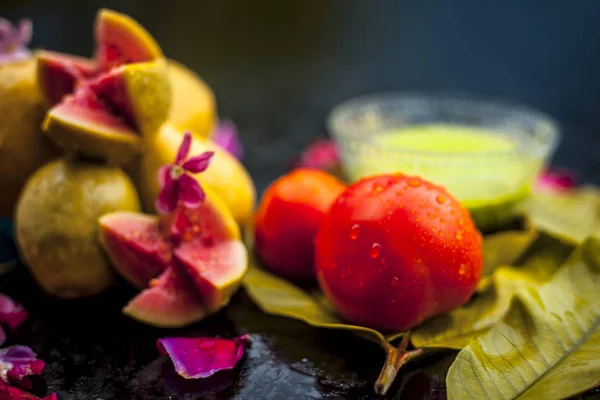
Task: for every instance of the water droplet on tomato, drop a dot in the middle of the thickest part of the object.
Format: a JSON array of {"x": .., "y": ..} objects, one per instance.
[
  {"x": 462, "y": 271},
  {"x": 431, "y": 215},
  {"x": 354, "y": 231},
  {"x": 375, "y": 250},
  {"x": 395, "y": 281},
  {"x": 440, "y": 199},
  {"x": 377, "y": 189},
  {"x": 442, "y": 221},
  {"x": 414, "y": 183},
  {"x": 382, "y": 261},
  {"x": 458, "y": 236},
  {"x": 461, "y": 222}
]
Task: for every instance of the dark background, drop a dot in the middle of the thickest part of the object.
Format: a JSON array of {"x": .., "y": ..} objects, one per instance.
[{"x": 277, "y": 68}]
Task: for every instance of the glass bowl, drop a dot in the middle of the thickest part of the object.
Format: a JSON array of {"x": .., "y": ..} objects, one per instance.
[{"x": 487, "y": 153}]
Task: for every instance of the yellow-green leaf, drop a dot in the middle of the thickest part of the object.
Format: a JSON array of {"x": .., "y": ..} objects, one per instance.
[
  {"x": 571, "y": 216},
  {"x": 547, "y": 346},
  {"x": 279, "y": 297},
  {"x": 505, "y": 247},
  {"x": 457, "y": 328}
]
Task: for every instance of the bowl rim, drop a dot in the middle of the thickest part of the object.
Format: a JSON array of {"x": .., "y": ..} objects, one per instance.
[{"x": 542, "y": 143}]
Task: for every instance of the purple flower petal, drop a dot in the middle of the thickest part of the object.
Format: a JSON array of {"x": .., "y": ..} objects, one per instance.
[
  {"x": 164, "y": 175},
  {"x": 184, "y": 149},
  {"x": 14, "y": 41},
  {"x": 168, "y": 197},
  {"x": 25, "y": 32},
  {"x": 202, "y": 357},
  {"x": 8, "y": 392},
  {"x": 190, "y": 192},
  {"x": 556, "y": 180},
  {"x": 18, "y": 362},
  {"x": 11, "y": 313},
  {"x": 226, "y": 136},
  {"x": 199, "y": 163}
]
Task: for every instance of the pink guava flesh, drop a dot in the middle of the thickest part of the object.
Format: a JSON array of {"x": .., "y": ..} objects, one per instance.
[
  {"x": 119, "y": 44},
  {"x": 60, "y": 74},
  {"x": 86, "y": 110},
  {"x": 135, "y": 246},
  {"x": 201, "y": 223},
  {"x": 171, "y": 301},
  {"x": 214, "y": 269},
  {"x": 111, "y": 88}
]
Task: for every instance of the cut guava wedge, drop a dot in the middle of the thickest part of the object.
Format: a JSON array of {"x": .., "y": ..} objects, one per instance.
[
  {"x": 122, "y": 40},
  {"x": 211, "y": 222},
  {"x": 216, "y": 270},
  {"x": 170, "y": 302},
  {"x": 128, "y": 80},
  {"x": 82, "y": 123},
  {"x": 134, "y": 245},
  {"x": 61, "y": 73}
]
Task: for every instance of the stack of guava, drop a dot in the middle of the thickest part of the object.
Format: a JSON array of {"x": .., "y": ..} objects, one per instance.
[{"x": 117, "y": 118}]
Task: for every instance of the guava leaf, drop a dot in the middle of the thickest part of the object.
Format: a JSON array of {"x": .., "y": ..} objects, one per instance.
[
  {"x": 505, "y": 247},
  {"x": 569, "y": 216},
  {"x": 457, "y": 328},
  {"x": 546, "y": 347},
  {"x": 277, "y": 296}
]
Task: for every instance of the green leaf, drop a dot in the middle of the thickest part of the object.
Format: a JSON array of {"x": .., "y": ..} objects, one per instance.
[
  {"x": 457, "y": 328},
  {"x": 505, "y": 247},
  {"x": 279, "y": 297},
  {"x": 546, "y": 347},
  {"x": 571, "y": 217}
]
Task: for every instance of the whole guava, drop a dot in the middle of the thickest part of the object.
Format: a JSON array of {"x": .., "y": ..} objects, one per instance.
[{"x": 57, "y": 224}]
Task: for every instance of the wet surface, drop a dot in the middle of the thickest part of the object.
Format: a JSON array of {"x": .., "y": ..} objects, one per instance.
[{"x": 94, "y": 352}]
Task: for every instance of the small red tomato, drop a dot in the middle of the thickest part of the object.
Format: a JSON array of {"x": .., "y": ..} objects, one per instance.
[
  {"x": 288, "y": 217},
  {"x": 395, "y": 250}
]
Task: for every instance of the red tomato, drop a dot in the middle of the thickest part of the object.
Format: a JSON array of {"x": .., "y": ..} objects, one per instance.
[
  {"x": 395, "y": 250},
  {"x": 288, "y": 217}
]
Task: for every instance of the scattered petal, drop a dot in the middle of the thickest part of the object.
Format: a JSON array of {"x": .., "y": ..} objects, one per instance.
[
  {"x": 184, "y": 149},
  {"x": 556, "y": 180},
  {"x": 190, "y": 192},
  {"x": 18, "y": 362},
  {"x": 323, "y": 154},
  {"x": 199, "y": 163},
  {"x": 8, "y": 392},
  {"x": 226, "y": 136},
  {"x": 168, "y": 197},
  {"x": 11, "y": 313},
  {"x": 202, "y": 357}
]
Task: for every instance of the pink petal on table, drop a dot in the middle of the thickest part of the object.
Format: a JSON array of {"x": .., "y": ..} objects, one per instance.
[
  {"x": 199, "y": 163},
  {"x": 168, "y": 197},
  {"x": 8, "y": 392},
  {"x": 190, "y": 192},
  {"x": 556, "y": 180},
  {"x": 184, "y": 148},
  {"x": 11, "y": 313},
  {"x": 226, "y": 136},
  {"x": 202, "y": 357},
  {"x": 18, "y": 362}
]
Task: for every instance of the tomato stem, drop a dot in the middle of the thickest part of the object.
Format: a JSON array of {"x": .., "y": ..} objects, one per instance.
[{"x": 396, "y": 358}]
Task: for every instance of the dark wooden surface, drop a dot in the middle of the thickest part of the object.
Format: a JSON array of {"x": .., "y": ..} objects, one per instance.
[{"x": 277, "y": 69}]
